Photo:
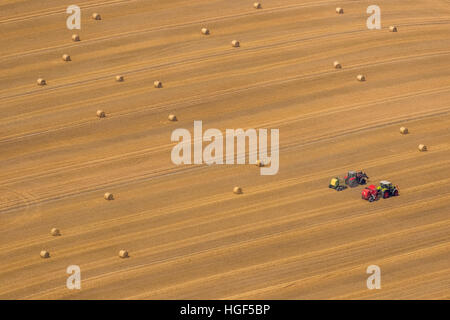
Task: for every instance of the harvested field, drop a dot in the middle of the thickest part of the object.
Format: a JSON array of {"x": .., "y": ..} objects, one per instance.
[{"x": 287, "y": 236}]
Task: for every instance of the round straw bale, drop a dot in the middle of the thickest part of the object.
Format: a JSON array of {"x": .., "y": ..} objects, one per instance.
[
  {"x": 237, "y": 190},
  {"x": 96, "y": 16},
  {"x": 119, "y": 78},
  {"x": 257, "y": 5},
  {"x": 172, "y": 117},
  {"x": 404, "y": 130},
  {"x": 66, "y": 57},
  {"x": 55, "y": 232},
  {"x": 157, "y": 84},
  {"x": 41, "y": 82},
  {"x": 205, "y": 31},
  {"x": 123, "y": 254},
  {"x": 235, "y": 43},
  {"x": 259, "y": 163},
  {"x": 101, "y": 114},
  {"x": 75, "y": 37},
  {"x": 108, "y": 196},
  {"x": 337, "y": 65},
  {"x": 422, "y": 147},
  {"x": 393, "y": 29},
  {"x": 361, "y": 77},
  {"x": 339, "y": 10},
  {"x": 45, "y": 254}
]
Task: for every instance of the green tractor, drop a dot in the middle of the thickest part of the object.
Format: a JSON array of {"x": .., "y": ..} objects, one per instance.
[
  {"x": 337, "y": 184},
  {"x": 387, "y": 189}
]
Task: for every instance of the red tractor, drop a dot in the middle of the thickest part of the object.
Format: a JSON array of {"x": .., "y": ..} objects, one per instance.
[
  {"x": 353, "y": 178},
  {"x": 370, "y": 193}
]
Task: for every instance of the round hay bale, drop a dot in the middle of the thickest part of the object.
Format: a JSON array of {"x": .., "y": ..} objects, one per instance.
[
  {"x": 120, "y": 78},
  {"x": 235, "y": 44},
  {"x": 108, "y": 196},
  {"x": 259, "y": 163},
  {"x": 172, "y": 117},
  {"x": 361, "y": 77},
  {"x": 101, "y": 114},
  {"x": 66, "y": 57},
  {"x": 404, "y": 130},
  {"x": 393, "y": 29},
  {"x": 96, "y": 16},
  {"x": 337, "y": 65},
  {"x": 205, "y": 31},
  {"x": 75, "y": 38},
  {"x": 123, "y": 254},
  {"x": 41, "y": 82},
  {"x": 55, "y": 232},
  {"x": 422, "y": 147},
  {"x": 45, "y": 254},
  {"x": 339, "y": 10},
  {"x": 237, "y": 190},
  {"x": 257, "y": 5},
  {"x": 157, "y": 84}
]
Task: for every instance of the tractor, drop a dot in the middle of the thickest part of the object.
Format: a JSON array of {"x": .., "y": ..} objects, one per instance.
[
  {"x": 354, "y": 178},
  {"x": 370, "y": 193},
  {"x": 337, "y": 184},
  {"x": 386, "y": 189}
]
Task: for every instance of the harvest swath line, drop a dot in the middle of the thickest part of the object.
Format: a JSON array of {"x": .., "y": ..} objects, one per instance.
[
  {"x": 177, "y": 170},
  {"x": 226, "y": 92}
]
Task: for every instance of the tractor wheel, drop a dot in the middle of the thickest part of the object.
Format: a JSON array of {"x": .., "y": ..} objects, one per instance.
[
  {"x": 386, "y": 195},
  {"x": 363, "y": 181},
  {"x": 352, "y": 183},
  {"x": 395, "y": 193},
  {"x": 371, "y": 199}
]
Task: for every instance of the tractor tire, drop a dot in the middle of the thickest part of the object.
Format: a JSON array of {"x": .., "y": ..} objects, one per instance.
[
  {"x": 371, "y": 199},
  {"x": 352, "y": 183},
  {"x": 395, "y": 193},
  {"x": 386, "y": 195},
  {"x": 363, "y": 181}
]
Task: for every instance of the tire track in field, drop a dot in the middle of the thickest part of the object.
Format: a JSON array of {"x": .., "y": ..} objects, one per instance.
[
  {"x": 148, "y": 151},
  {"x": 400, "y": 284},
  {"x": 285, "y": 220},
  {"x": 75, "y": 165},
  {"x": 204, "y": 98},
  {"x": 173, "y": 26},
  {"x": 423, "y": 252},
  {"x": 289, "y": 260},
  {"x": 51, "y": 196},
  {"x": 206, "y": 77},
  {"x": 127, "y": 272},
  {"x": 60, "y": 11},
  {"x": 211, "y": 53},
  {"x": 204, "y": 202},
  {"x": 242, "y": 211},
  {"x": 205, "y": 59}
]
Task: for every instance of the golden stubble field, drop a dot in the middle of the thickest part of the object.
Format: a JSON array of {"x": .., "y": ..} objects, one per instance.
[{"x": 188, "y": 236}]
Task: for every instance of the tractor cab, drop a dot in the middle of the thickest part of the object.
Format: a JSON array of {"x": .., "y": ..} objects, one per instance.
[
  {"x": 385, "y": 185},
  {"x": 351, "y": 174}
]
